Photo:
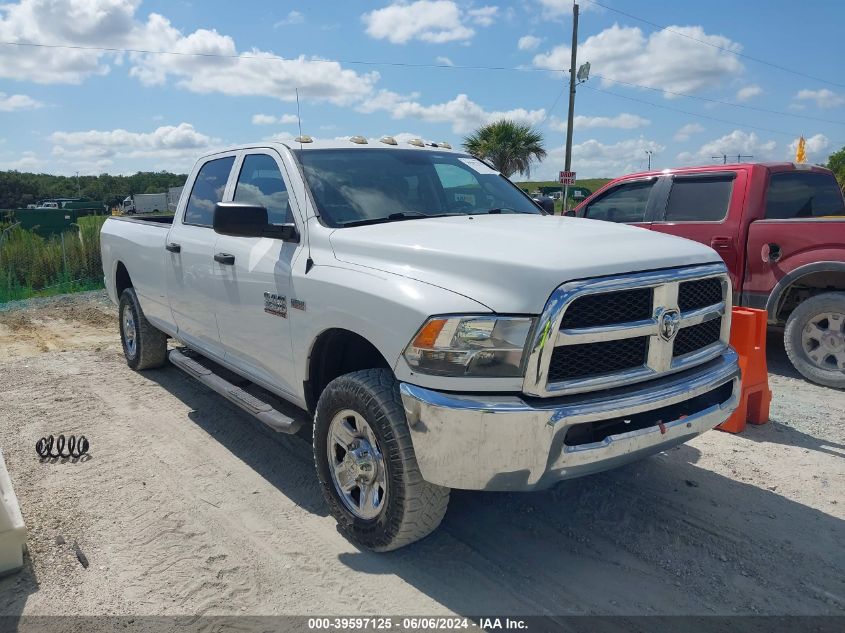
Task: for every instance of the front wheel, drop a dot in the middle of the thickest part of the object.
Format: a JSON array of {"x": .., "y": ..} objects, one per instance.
[
  {"x": 815, "y": 339},
  {"x": 366, "y": 464}
]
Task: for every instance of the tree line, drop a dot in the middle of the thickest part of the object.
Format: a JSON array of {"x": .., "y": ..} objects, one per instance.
[{"x": 18, "y": 189}]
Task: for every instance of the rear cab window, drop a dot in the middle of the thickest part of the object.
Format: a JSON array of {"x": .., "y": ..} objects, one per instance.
[
  {"x": 623, "y": 203},
  {"x": 699, "y": 198},
  {"x": 208, "y": 190},
  {"x": 803, "y": 196}
]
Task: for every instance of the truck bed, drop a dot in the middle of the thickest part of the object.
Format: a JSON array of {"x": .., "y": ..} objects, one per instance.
[{"x": 155, "y": 220}]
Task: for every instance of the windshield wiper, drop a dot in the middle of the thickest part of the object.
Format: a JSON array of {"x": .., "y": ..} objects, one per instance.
[{"x": 393, "y": 217}]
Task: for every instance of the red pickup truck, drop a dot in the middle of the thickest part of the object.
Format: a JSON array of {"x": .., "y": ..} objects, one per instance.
[{"x": 780, "y": 227}]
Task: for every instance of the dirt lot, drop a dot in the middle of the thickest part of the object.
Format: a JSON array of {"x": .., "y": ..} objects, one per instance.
[{"x": 186, "y": 506}]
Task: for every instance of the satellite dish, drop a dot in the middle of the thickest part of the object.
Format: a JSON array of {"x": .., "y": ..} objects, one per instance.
[{"x": 583, "y": 73}]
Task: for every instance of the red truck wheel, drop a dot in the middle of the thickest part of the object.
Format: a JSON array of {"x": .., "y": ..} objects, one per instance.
[{"x": 815, "y": 339}]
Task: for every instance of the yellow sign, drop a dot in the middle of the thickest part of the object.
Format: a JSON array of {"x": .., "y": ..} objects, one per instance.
[{"x": 801, "y": 152}]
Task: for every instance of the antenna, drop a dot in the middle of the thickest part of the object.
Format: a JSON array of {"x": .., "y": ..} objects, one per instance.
[{"x": 298, "y": 118}]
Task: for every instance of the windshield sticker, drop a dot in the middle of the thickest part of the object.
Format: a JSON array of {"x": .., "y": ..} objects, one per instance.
[
  {"x": 477, "y": 166},
  {"x": 465, "y": 197}
]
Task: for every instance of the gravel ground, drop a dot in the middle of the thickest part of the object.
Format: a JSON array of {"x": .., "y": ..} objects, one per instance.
[{"x": 186, "y": 506}]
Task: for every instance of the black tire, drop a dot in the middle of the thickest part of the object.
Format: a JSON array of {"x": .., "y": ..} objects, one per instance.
[
  {"x": 150, "y": 345},
  {"x": 412, "y": 507},
  {"x": 802, "y": 317}
]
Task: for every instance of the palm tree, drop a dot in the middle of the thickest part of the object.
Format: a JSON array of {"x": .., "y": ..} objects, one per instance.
[{"x": 508, "y": 146}]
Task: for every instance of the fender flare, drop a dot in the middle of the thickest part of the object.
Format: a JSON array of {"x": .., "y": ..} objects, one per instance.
[{"x": 778, "y": 292}]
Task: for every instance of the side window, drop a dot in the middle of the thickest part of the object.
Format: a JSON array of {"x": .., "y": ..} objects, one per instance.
[
  {"x": 208, "y": 191},
  {"x": 260, "y": 182},
  {"x": 803, "y": 195},
  {"x": 699, "y": 199},
  {"x": 624, "y": 203}
]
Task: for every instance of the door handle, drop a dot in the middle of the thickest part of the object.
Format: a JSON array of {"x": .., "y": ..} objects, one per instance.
[
  {"x": 771, "y": 253},
  {"x": 721, "y": 243},
  {"x": 173, "y": 247},
  {"x": 224, "y": 258}
]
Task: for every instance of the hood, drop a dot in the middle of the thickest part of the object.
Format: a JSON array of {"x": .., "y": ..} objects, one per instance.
[{"x": 511, "y": 263}]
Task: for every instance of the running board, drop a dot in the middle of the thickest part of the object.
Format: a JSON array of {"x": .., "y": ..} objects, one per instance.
[{"x": 273, "y": 418}]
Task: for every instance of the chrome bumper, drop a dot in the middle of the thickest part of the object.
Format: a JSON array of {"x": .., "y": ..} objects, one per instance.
[{"x": 477, "y": 442}]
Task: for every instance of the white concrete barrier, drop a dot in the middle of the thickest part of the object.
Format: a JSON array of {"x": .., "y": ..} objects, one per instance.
[{"x": 12, "y": 529}]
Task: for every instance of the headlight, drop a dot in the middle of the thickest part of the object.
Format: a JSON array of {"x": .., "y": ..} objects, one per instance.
[{"x": 470, "y": 346}]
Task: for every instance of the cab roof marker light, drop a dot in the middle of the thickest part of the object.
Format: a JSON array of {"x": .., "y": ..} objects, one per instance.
[
  {"x": 304, "y": 139},
  {"x": 360, "y": 140},
  {"x": 444, "y": 145},
  {"x": 416, "y": 142},
  {"x": 388, "y": 140}
]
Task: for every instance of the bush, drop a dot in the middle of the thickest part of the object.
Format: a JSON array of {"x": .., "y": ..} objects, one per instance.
[{"x": 31, "y": 265}]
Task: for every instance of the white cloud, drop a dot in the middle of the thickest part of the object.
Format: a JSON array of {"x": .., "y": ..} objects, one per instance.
[
  {"x": 461, "y": 112},
  {"x": 483, "y": 16},
  {"x": 685, "y": 131},
  {"x": 594, "y": 159},
  {"x": 445, "y": 61},
  {"x": 824, "y": 98},
  {"x": 559, "y": 8},
  {"x": 294, "y": 17},
  {"x": 9, "y": 103},
  {"x": 114, "y": 23},
  {"x": 172, "y": 147},
  {"x": 623, "y": 121},
  {"x": 528, "y": 42},
  {"x": 269, "y": 119},
  {"x": 817, "y": 148},
  {"x": 28, "y": 161},
  {"x": 748, "y": 92},
  {"x": 433, "y": 21},
  {"x": 662, "y": 60},
  {"x": 733, "y": 144}
]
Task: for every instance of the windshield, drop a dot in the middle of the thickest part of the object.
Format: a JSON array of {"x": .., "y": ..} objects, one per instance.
[{"x": 362, "y": 186}]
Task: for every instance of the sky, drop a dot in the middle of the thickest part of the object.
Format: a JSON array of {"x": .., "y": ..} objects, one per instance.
[{"x": 119, "y": 86}]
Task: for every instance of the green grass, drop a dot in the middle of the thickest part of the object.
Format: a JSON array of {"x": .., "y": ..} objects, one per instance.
[{"x": 35, "y": 266}]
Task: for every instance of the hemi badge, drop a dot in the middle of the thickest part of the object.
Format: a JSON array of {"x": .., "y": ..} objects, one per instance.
[{"x": 297, "y": 304}]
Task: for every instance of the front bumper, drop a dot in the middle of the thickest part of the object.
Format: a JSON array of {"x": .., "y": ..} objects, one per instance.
[{"x": 481, "y": 442}]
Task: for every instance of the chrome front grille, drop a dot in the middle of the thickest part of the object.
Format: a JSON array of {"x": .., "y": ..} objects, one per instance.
[{"x": 613, "y": 331}]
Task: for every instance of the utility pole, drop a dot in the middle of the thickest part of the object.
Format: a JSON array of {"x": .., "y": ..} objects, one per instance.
[
  {"x": 649, "y": 152},
  {"x": 572, "y": 73},
  {"x": 78, "y": 186},
  {"x": 724, "y": 158},
  {"x": 739, "y": 157}
]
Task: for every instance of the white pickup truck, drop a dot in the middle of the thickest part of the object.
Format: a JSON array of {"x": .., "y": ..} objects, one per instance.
[{"x": 440, "y": 329}]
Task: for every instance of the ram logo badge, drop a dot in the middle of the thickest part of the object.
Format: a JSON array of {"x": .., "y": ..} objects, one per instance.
[{"x": 276, "y": 305}]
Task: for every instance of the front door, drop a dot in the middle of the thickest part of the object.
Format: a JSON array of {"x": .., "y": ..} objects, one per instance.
[{"x": 253, "y": 278}]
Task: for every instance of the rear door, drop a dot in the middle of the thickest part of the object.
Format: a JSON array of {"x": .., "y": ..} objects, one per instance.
[
  {"x": 706, "y": 207},
  {"x": 629, "y": 202},
  {"x": 804, "y": 216},
  {"x": 190, "y": 254},
  {"x": 253, "y": 277}
]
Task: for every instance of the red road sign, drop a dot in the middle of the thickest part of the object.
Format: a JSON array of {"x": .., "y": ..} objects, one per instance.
[{"x": 567, "y": 177}]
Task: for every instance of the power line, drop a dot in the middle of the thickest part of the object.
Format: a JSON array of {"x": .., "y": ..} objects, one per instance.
[
  {"x": 719, "y": 101},
  {"x": 276, "y": 58},
  {"x": 717, "y": 46}
]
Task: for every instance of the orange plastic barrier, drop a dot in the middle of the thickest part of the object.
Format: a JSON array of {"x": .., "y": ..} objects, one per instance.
[{"x": 748, "y": 338}]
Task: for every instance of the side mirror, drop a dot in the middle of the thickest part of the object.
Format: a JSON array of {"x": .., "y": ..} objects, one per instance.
[{"x": 250, "y": 220}]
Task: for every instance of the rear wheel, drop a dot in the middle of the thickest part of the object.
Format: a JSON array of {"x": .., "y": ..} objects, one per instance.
[
  {"x": 366, "y": 464},
  {"x": 815, "y": 339},
  {"x": 144, "y": 346}
]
